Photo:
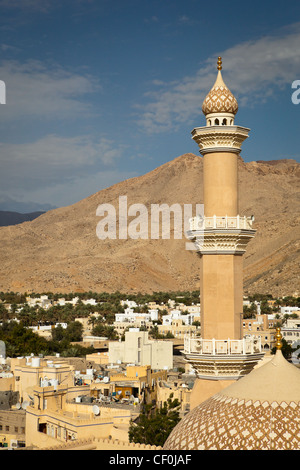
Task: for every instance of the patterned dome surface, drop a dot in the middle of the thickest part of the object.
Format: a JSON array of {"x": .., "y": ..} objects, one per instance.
[
  {"x": 220, "y": 99},
  {"x": 258, "y": 412}
]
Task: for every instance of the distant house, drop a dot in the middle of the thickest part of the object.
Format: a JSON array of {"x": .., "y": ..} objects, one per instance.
[{"x": 138, "y": 349}]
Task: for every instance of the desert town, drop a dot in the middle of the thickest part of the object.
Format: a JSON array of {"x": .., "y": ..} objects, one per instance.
[{"x": 89, "y": 402}]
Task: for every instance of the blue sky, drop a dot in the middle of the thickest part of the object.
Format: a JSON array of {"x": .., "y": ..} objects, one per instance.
[{"x": 101, "y": 91}]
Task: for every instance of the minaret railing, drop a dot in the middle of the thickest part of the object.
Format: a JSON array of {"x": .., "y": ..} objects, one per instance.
[
  {"x": 246, "y": 345},
  {"x": 218, "y": 222}
]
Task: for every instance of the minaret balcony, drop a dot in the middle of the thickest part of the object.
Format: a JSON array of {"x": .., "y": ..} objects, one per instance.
[
  {"x": 250, "y": 344},
  {"x": 221, "y": 235},
  {"x": 220, "y": 138},
  {"x": 222, "y": 359}
]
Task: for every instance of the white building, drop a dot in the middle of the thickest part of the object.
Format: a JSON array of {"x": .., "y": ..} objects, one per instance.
[
  {"x": 41, "y": 301},
  {"x": 289, "y": 310},
  {"x": 291, "y": 332},
  {"x": 129, "y": 303},
  {"x": 178, "y": 315},
  {"x": 131, "y": 317},
  {"x": 195, "y": 309},
  {"x": 139, "y": 350},
  {"x": 90, "y": 302},
  {"x": 63, "y": 301}
]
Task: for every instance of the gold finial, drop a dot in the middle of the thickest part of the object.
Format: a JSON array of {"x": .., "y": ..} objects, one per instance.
[
  {"x": 278, "y": 338},
  {"x": 219, "y": 63}
]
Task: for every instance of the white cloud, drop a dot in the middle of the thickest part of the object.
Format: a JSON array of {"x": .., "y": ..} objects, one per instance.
[
  {"x": 253, "y": 70},
  {"x": 53, "y": 164},
  {"x": 78, "y": 188},
  {"x": 53, "y": 160},
  {"x": 37, "y": 89}
]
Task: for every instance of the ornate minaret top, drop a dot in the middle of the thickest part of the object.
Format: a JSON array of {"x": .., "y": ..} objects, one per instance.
[
  {"x": 219, "y": 108},
  {"x": 220, "y": 105}
]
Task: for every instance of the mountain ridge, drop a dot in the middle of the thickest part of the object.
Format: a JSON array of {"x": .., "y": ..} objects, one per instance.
[
  {"x": 59, "y": 251},
  {"x": 14, "y": 218}
]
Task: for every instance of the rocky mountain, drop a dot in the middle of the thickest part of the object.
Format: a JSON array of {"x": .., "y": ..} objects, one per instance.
[{"x": 60, "y": 251}]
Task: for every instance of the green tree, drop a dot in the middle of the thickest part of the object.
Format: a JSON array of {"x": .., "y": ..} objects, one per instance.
[
  {"x": 105, "y": 331},
  {"x": 4, "y": 313},
  {"x": 20, "y": 340},
  {"x": 154, "y": 427},
  {"x": 265, "y": 308},
  {"x": 74, "y": 331},
  {"x": 57, "y": 333}
]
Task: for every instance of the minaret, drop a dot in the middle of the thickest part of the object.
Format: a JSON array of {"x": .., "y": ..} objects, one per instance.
[{"x": 221, "y": 237}]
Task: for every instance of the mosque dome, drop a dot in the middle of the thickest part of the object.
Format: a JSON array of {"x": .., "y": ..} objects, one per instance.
[
  {"x": 261, "y": 411},
  {"x": 219, "y": 99}
]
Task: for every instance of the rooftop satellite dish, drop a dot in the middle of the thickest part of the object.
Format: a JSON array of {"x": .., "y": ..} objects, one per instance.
[
  {"x": 96, "y": 410},
  {"x": 2, "y": 349}
]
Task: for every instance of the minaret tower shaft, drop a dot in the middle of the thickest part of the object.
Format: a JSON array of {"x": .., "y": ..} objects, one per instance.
[
  {"x": 221, "y": 237},
  {"x": 221, "y": 264}
]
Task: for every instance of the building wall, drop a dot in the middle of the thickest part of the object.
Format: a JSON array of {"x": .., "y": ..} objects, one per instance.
[
  {"x": 261, "y": 326},
  {"x": 177, "y": 329},
  {"x": 12, "y": 427},
  {"x": 29, "y": 375},
  {"x": 52, "y": 417},
  {"x": 138, "y": 349},
  {"x": 101, "y": 444},
  {"x": 182, "y": 394},
  {"x": 7, "y": 383},
  {"x": 100, "y": 358}
]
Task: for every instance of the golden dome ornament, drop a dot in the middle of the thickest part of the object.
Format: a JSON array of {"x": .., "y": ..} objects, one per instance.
[{"x": 278, "y": 338}]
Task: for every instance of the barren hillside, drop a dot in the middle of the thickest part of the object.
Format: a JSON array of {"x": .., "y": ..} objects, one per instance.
[{"x": 60, "y": 251}]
